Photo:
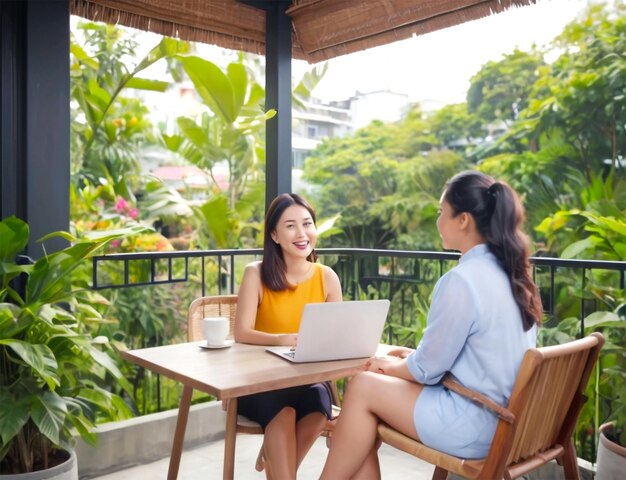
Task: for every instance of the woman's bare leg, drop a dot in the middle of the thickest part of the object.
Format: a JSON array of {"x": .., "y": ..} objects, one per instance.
[
  {"x": 370, "y": 468},
  {"x": 369, "y": 397},
  {"x": 307, "y": 430},
  {"x": 279, "y": 446}
]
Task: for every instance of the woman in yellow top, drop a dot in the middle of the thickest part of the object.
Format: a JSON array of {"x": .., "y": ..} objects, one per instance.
[{"x": 272, "y": 296}]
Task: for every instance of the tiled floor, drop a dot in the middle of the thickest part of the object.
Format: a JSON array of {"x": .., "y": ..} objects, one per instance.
[{"x": 206, "y": 462}]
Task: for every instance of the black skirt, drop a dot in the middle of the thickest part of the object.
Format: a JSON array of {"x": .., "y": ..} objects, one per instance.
[{"x": 305, "y": 399}]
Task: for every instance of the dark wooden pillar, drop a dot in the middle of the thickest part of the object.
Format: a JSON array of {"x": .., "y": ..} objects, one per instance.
[
  {"x": 34, "y": 116},
  {"x": 277, "y": 95},
  {"x": 12, "y": 44}
]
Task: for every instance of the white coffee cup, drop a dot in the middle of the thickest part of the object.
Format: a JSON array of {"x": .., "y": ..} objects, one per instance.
[{"x": 215, "y": 330}]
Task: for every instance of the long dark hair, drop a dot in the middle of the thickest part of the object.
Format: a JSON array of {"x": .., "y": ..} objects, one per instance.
[
  {"x": 273, "y": 270},
  {"x": 499, "y": 215}
]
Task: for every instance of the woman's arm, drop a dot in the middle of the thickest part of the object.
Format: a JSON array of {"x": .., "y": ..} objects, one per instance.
[
  {"x": 449, "y": 323},
  {"x": 451, "y": 318},
  {"x": 249, "y": 297}
]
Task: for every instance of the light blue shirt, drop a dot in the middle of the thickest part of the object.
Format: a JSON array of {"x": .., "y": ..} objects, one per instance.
[{"x": 474, "y": 330}]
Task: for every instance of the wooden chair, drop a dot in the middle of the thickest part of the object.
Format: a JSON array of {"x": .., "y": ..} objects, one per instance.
[
  {"x": 226, "y": 306},
  {"x": 545, "y": 403}
]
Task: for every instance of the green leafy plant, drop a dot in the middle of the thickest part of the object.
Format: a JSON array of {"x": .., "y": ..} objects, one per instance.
[
  {"x": 612, "y": 370},
  {"x": 607, "y": 386},
  {"x": 52, "y": 372},
  {"x": 226, "y": 143},
  {"x": 596, "y": 230}
]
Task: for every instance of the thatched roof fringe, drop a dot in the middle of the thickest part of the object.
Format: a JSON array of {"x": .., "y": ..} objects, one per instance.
[
  {"x": 322, "y": 39},
  {"x": 322, "y": 29},
  {"x": 213, "y": 32}
]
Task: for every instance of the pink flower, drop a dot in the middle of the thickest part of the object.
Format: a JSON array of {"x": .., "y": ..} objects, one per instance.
[
  {"x": 133, "y": 213},
  {"x": 115, "y": 243},
  {"x": 121, "y": 205}
]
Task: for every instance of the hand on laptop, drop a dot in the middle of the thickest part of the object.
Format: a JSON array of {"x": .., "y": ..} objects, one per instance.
[{"x": 288, "y": 339}]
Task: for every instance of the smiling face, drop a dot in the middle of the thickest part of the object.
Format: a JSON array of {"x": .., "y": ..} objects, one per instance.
[{"x": 295, "y": 232}]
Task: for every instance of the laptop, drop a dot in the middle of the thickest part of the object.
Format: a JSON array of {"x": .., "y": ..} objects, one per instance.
[{"x": 337, "y": 331}]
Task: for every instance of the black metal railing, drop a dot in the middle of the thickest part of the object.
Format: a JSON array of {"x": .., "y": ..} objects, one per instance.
[{"x": 363, "y": 272}]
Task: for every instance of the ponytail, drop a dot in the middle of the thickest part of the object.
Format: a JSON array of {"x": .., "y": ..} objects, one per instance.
[{"x": 499, "y": 215}]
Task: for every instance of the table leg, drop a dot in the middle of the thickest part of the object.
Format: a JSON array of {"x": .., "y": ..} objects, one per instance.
[
  {"x": 229, "y": 441},
  {"x": 179, "y": 434}
]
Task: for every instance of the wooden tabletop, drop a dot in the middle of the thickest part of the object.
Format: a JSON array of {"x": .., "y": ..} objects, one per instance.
[{"x": 238, "y": 370}]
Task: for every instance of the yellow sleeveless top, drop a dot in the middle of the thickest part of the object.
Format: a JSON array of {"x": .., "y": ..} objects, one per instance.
[{"x": 280, "y": 312}]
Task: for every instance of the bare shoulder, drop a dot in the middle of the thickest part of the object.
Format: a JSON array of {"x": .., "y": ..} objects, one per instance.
[
  {"x": 329, "y": 273},
  {"x": 251, "y": 284},
  {"x": 253, "y": 268},
  {"x": 332, "y": 285},
  {"x": 252, "y": 274}
]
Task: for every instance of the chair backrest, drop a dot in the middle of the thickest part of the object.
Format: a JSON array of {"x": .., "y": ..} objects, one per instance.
[
  {"x": 216, "y": 306},
  {"x": 546, "y": 401}
]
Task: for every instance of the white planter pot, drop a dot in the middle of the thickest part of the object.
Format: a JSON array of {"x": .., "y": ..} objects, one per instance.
[
  {"x": 67, "y": 470},
  {"x": 611, "y": 461}
]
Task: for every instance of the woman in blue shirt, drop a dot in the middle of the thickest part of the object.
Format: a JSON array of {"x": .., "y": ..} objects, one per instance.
[{"x": 482, "y": 319}]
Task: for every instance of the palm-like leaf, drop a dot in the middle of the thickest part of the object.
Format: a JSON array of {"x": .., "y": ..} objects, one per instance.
[
  {"x": 215, "y": 87},
  {"x": 46, "y": 359}
]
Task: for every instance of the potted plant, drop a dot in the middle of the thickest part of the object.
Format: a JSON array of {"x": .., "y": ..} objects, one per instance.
[
  {"x": 51, "y": 369},
  {"x": 611, "y": 455},
  {"x": 611, "y": 459}
]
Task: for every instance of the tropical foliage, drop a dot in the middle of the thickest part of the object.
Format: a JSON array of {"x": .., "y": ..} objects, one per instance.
[
  {"x": 113, "y": 138},
  {"x": 227, "y": 135},
  {"x": 385, "y": 183},
  {"x": 502, "y": 89},
  {"x": 555, "y": 131},
  {"x": 54, "y": 376}
]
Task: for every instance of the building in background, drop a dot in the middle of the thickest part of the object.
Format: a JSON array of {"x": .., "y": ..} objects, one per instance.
[
  {"x": 313, "y": 122},
  {"x": 317, "y": 120}
]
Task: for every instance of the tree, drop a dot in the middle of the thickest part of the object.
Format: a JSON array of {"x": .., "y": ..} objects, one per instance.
[
  {"x": 227, "y": 133},
  {"x": 411, "y": 212},
  {"x": 384, "y": 182},
  {"x": 109, "y": 129},
  {"x": 500, "y": 90},
  {"x": 454, "y": 122},
  {"x": 574, "y": 121},
  {"x": 350, "y": 174},
  {"x": 584, "y": 96}
]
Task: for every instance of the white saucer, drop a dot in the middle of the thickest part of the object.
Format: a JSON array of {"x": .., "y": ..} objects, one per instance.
[{"x": 227, "y": 343}]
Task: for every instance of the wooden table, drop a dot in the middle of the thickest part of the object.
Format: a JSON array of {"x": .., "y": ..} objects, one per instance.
[{"x": 228, "y": 374}]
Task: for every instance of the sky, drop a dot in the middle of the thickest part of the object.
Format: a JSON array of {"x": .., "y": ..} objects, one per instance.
[{"x": 437, "y": 67}]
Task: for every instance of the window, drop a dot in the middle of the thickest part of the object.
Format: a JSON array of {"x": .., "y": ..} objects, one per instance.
[{"x": 298, "y": 157}]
